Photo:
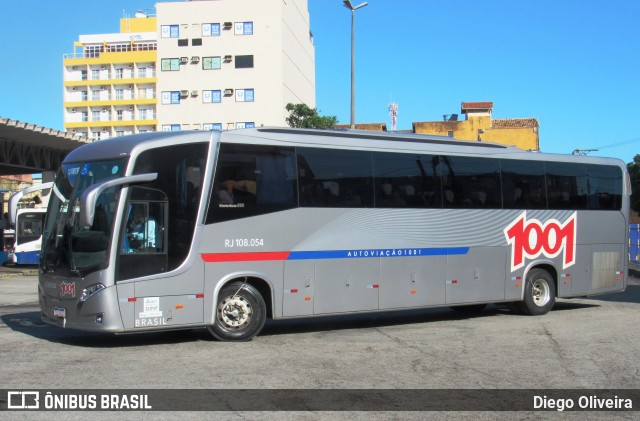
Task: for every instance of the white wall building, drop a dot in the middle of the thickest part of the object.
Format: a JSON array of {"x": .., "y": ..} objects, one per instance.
[{"x": 226, "y": 64}]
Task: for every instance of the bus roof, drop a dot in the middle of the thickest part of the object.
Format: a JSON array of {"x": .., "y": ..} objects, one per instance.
[{"x": 360, "y": 139}]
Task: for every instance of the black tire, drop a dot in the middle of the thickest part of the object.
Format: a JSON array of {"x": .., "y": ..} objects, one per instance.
[
  {"x": 240, "y": 313},
  {"x": 469, "y": 308},
  {"x": 539, "y": 293}
]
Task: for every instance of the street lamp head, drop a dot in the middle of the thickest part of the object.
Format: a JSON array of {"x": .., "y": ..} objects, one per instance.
[{"x": 348, "y": 5}]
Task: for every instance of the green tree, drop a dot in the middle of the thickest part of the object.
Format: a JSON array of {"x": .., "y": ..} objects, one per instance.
[
  {"x": 634, "y": 173},
  {"x": 301, "y": 116}
]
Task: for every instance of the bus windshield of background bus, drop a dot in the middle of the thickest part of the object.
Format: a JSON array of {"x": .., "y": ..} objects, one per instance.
[
  {"x": 29, "y": 227},
  {"x": 66, "y": 244}
]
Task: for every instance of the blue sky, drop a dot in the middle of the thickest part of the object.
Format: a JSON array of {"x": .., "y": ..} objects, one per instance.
[{"x": 573, "y": 64}]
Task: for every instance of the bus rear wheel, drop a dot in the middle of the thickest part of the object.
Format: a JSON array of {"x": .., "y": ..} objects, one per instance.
[
  {"x": 240, "y": 313},
  {"x": 539, "y": 293}
]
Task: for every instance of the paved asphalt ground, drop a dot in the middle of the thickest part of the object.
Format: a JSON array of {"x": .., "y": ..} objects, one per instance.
[{"x": 589, "y": 343}]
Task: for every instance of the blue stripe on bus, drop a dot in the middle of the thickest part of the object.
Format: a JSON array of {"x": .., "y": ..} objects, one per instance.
[{"x": 376, "y": 253}]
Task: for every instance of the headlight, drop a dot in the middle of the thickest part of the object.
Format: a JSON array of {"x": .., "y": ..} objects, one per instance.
[{"x": 89, "y": 291}]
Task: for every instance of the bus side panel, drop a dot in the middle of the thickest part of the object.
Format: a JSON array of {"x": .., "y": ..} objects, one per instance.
[
  {"x": 345, "y": 285},
  {"x": 478, "y": 276},
  {"x": 298, "y": 295},
  {"x": 171, "y": 300},
  {"x": 412, "y": 281},
  {"x": 126, "y": 295},
  {"x": 599, "y": 269},
  {"x": 28, "y": 257}
]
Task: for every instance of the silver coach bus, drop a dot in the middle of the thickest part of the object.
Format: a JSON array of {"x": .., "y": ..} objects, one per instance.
[{"x": 177, "y": 230}]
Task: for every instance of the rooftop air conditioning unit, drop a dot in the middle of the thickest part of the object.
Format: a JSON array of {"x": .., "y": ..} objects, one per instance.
[{"x": 184, "y": 60}]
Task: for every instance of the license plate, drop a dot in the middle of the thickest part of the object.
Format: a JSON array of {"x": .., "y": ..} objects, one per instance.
[{"x": 59, "y": 312}]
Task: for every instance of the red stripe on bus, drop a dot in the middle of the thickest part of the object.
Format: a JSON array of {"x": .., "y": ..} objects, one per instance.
[{"x": 244, "y": 257}]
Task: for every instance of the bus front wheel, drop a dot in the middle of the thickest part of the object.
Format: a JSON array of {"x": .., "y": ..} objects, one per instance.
[
  {"x": 240, "y": 313},
  {"x": 539, "y": 293}
]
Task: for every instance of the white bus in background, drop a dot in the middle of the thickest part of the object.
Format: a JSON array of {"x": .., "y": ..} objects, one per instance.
[
  {"x": 28, "y": 224},
  {"x": 287, "y": 223}
]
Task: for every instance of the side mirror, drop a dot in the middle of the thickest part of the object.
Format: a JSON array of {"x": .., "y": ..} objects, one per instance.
[
  {"x": 15, "y": 198},
  {"x": 90, "y": 195}
]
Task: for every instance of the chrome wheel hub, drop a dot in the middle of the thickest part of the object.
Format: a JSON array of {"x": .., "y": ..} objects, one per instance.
[{"x": 234, "y": 312}]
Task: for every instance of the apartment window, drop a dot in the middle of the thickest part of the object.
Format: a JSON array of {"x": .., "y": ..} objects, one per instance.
[
  {"x": 196, "y": 42},
  {"x": 95, "y": 74},
  {"x": 183, "y": 42},
  {"x": 243, "y": 28},
  {"x": 170, "y": 97},
  {"x": 95, "y": 95},
  {"x": 83, "y": 74},
  {"x": 142, "y": 72},
  {"x": 211, "y": 63},
  {"x": 244, "y": 95},
  {"x": 83, "y": 95},
  {"x": 84, "y": 117},
  {"x": 170, "y": 31},
  {"x": 214, "y": 96},
  {"x": 170, "y": 64},
  {"x": 119, "y": 133},
  {"x": 95, "y": 115},
  {"x": 119, "y": 94},
  {"x": 210, "y": 29},
  {"x": 244, "y": 62},
  {"x": 119, "y": 115},
  {"x": 170, "y": 127}
]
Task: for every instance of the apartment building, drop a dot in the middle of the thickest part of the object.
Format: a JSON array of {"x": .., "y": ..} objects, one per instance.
[
  {"x": 110, "y": 81},
  {"x": 199, "y": 64}
]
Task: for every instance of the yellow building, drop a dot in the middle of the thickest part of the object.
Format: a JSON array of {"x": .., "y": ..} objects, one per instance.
[
  {"x": 479, "y": 126},
  {"x": 110, "y": 81}
]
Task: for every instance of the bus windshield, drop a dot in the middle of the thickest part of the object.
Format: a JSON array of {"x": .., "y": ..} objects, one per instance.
[
  {"x": 29, "y": 226},
  {"x": 68, "y": 246}
]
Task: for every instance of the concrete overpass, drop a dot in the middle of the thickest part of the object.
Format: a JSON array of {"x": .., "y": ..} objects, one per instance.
[{"x": 27, "y": 148}]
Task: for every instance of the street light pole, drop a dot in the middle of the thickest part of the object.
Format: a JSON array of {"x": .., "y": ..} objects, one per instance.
[{"x": 348, "y": 5}]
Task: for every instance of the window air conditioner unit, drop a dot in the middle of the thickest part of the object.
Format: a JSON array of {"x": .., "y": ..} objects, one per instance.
[
  {"x": 73, "y": 110},
  {"x": 227, "y": 25},
  {"x": 131, "y": 66},
  {"x": 228, "y": 92},
  {"x": 103, "y": 68},
  {"x": 195, "y": 59},
  {"x": 228, "y": 58},
  {"x": 184, "y": 93},
  {"x": 194, "y": 93},
  {"x": 184, "y": 60},
  {"x": 104, "y": 109}
]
